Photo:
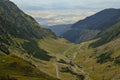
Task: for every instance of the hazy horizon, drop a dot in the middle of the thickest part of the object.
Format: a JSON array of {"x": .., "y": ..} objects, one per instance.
[{"x": 54, "y": 12}]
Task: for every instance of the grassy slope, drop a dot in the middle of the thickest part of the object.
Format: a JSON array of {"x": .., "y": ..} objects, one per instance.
[
  {"x": 22, "y": 70},
  {"x": 19, "y": 33},
  {"x": 86, "y": 58},
  {"x": 102, "y": 63},
  {"x": 60, "y": 49},
  {"x": 108, "y": 35},
  {"x": 21, "y": 30},
  {"x": 58, "y": 46}
]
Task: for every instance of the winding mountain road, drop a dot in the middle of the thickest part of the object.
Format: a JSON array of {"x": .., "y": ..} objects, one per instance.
[
  {"x": 75, "y": 66},
  {"x": 57, "y": 70},
  {"x": 87, "y": 77}
]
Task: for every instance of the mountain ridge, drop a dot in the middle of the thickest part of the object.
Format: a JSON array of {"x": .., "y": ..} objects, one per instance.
[
  {"x": 19, "y": 36},
  {"x": 15, "y": 24},
  {"x": 99, "y": 21}
]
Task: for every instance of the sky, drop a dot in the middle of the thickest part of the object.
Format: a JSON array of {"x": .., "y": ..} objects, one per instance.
[{"x": 54, "y": 12}]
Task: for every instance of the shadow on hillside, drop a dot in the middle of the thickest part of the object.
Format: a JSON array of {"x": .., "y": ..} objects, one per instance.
[{"x": 33, "y": 49}]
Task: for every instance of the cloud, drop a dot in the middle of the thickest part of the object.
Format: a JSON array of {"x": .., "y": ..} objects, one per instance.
[
  {"x": 51, "y": 12},
  {"x": 53, "y": 17},
  {"x": 99, "y": 4}
]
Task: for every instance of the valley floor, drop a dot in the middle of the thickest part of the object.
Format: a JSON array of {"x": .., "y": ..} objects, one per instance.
[
  {"x": 79, "y": 61},
  {"x": 69, "y": 62}
]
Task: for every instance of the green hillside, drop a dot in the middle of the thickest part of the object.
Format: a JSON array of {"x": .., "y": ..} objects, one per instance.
[
  {"x": 108, "y": 35},
  {"x": 15, "y": 68},
  {"x": 19, "y": 35},
  {"x": 90, "y": 27},
  {"x": 101, "y": 63},
  {"x": 20, "y": 30},
  {"x": 58, "y": 46}
]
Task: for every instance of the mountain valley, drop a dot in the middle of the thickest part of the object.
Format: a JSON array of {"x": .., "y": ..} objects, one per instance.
[{"x": 88, "y": 50}]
